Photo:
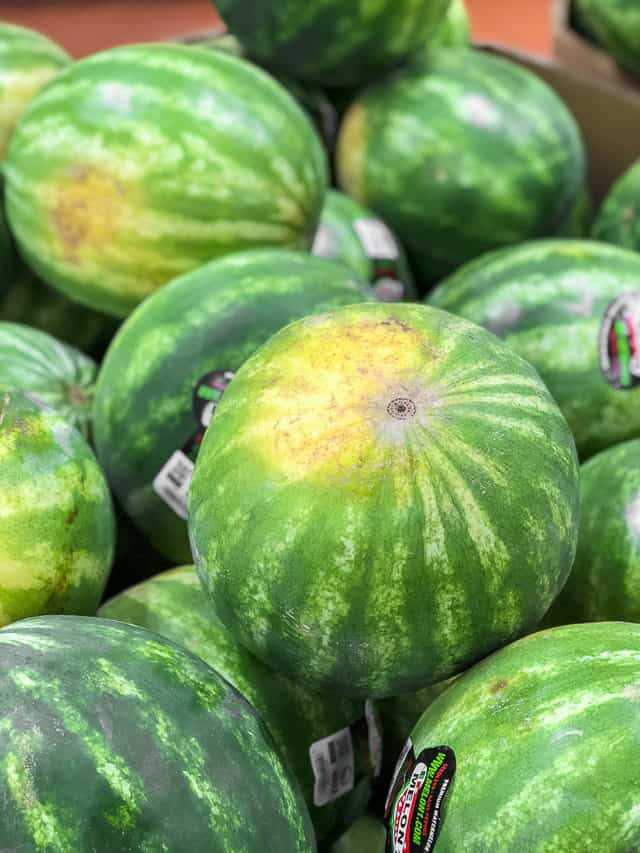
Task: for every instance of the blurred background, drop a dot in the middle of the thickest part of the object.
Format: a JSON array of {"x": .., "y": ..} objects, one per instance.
[{"x": 84, "y": 27}]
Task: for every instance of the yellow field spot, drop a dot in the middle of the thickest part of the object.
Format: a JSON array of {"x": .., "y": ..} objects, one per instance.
[
  {"x": 16, "y": 90},
  {"x": 351, "y": 153}
]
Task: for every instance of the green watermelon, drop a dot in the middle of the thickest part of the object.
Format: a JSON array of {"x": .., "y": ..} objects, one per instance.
[
  {"x": 455, "y": 29},
  {"x": 173, "y": 604},
  {"x": 48, "y": 371},
  {"x": 28, "y": 60},
  {"x": 605, "y": 580},
  {"x": 367, "y": 835},
  {"x": 57, "y": 531},
  {"x": 332, "y": 43},
  {"x": 171, "y": 361},
  {"x": 8, "y": 258},
  {"x": 351, "y": 234},
  {"x": 577, "y": 225},
  {"x": 536, "y": 749},
  {"x": 558, "y": 304},
  {"x": 386, "y": 494},
  {"x": 465, "y": 153},
  {"x": 115, "y": 739},
  {"x": 618, "y": 219},
  {"x": 141, "y": 163},
  {"x": 615, "y": 25}
]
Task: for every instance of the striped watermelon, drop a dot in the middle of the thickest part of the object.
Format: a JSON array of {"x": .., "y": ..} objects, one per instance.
[
  {"x": 332, "y": 43},
  {"x": 536, "y": 749},
  {"x": 48, "y": 371},
  {"x": 605, "y": 580},
  {"x": 618, "y": 219},
  {"x": 28, "y": 60},
  {"x": 164, "y": 372},
  {"x": 173, "y": 604},
  {"x": 115, "y": 739},
  {"x": 557, "y": 304},
  {"x": 57, "y": 531},
  {"x": 467, "y": 152},
  {"x": 351, "y": 234},
  {"x": 578, "y": 223},
  {"x": 367, "y": 835},
  {"x": 615, "y": 25},
  {"x": 141, "y": 163},
  {"x": 386, "y": 494}
]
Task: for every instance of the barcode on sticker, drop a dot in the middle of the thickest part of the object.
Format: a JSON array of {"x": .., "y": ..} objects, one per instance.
[
  {"x": 324, "y": 243},
  {"x": 375, "y": 738},
  {"x": 377, "y": 239},
  {"x": 172, "y": 482},
  {"x": 333, "y": 767}
]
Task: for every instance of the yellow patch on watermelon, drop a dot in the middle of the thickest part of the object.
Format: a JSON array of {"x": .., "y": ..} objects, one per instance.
[
  {"x": 16, "y": 90},
  {"x": 351, "y": 153}
]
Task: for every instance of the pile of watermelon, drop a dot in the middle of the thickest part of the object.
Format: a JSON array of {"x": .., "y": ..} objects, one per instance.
[{"x": 319, "y": 446}]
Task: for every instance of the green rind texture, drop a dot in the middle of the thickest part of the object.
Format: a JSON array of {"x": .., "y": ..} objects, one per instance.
[
  {"x": 374, "y": 553},
  {"x": 577, "y": 225},
  {"x": 141, "y": 163},
  {"x": 464, "y": 154},
  {"x": 57, "y": 524},
  {"x": 367, "y": 835},
  {"x": 48, "y": 371},
  {"x": 455, "y": 29},
  {"x": 615, "y": 25},
  {"x": 115, "y": 739},
  {"x": 342, "y": 242},
  {"x": 605, "y": 580},
  {"x": 331, "y": 42},
  {"x": 547, "y": 745},
  {"x": 174, "y": 604},
  {"x": 618, "y": 220},
  {"x": 211, "y": 319},
  {"x": 547, "y": 300},
  {"x": 28, "y": 60}
]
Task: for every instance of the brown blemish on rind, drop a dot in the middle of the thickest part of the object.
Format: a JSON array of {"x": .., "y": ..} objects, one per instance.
[
  {"x": 499, "y": 685},
  {"x": 72, "y": 515}
]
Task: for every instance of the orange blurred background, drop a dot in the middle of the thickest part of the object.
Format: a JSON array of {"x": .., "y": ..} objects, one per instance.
[{"x": 85, "y": 27}]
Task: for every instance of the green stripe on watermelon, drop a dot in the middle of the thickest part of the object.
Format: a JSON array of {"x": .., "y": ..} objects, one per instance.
[
  {"x": 547, "y": 745},
  {"x": 577, "y": 225},
  {"x": 618, "y": 220},
  {"x": 605, "y": 580},
  {"x": 174, "y": 604},
  {"x": 614, "y": 24},
  {"x": 28, "y": 60},
  {"x": 57, "y": 532},
  {"x": 149, "y": 398},
  {"x": 548, "y": 300},
  {"x": 332, "y": 43},
  {"x": 141, "y": 163},
  {"x": 115, "y": 739},
  {"x": 466, "y": 153},
  {"x": 353, "y": 235},
  {"x": 386, "y": 494}
]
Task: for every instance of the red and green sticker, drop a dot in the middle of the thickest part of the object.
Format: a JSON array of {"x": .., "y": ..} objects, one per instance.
[
  {"x": 619, "y": 342},
  {"x": 415, "y": 805}
]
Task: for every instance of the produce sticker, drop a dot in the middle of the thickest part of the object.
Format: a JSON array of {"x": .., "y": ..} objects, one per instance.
[{"x": 619, "y": 342}]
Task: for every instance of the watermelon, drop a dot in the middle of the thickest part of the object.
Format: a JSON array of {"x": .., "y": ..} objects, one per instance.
[
  {"x": 115, "y": 739},
  {"x": 605, "y": 580},
  {"x": 559, "y": 304},
  {"x": 28, "y": 60},
  {"x": 7, "y": 256},
  {"x": 173, "y": 604},
  {"x": 57, "y": 532},
  {"x": 332, "y": 43},
  {"x": 464, "y": 153},
  {"x": 48, "y": 371},
  {"x": 618, "y": 219},
  {"x": 367, "y": 835},
  {"x": 351, "y": 234},
  {"x": 171, "y": 361},
  {"x": 455, "y": 29},
  {"x": 386, "y": 494},
  {"x": 141, "y": 163},
  {"x": 578, "y": 223},
  {"x": 536, "y": 749},
  {"x": 615, "y": 25}
]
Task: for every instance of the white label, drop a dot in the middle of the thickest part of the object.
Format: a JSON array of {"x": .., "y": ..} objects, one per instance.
[
  {"x": 324, "y": 243},
  {"x": 388, "y": 290},
  {"x": 333, "y": 767},
  {"x": 377, "y": 239},
  {"x": 172, "y": 482},
  {"x": 375, "y": 738}
]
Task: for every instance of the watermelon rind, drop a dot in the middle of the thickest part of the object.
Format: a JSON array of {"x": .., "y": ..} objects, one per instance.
[{"x": 615, "y": 26}]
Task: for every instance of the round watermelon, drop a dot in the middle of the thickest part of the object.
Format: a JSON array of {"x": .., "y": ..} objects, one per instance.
[
  {"x": 618, "y": 219},
  {"x": 353, "y": 235},
  {"x": 141, "y": 163},
  {"x": 57, "y": 531},
  {"x": 28, "y": 60},
  {"x": 536, "y": 749},
  {"x": 605, "y": 580},
  {"x": 48, "y": 372},
  {"x": 170, "y": 363},
  {"x": 577, "y": 225},
  {"x": 465, "y": 153},
  {"x": 305, "y": 725},
  {"x": 572, "y": 309},
  {"x": 386, "y": 494},
  {"x": 115, "y": 739},
  {"x": 615, "y": 25},
  {"x": 367, "y": 835},
  {"x": 332, "y": 43}
]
